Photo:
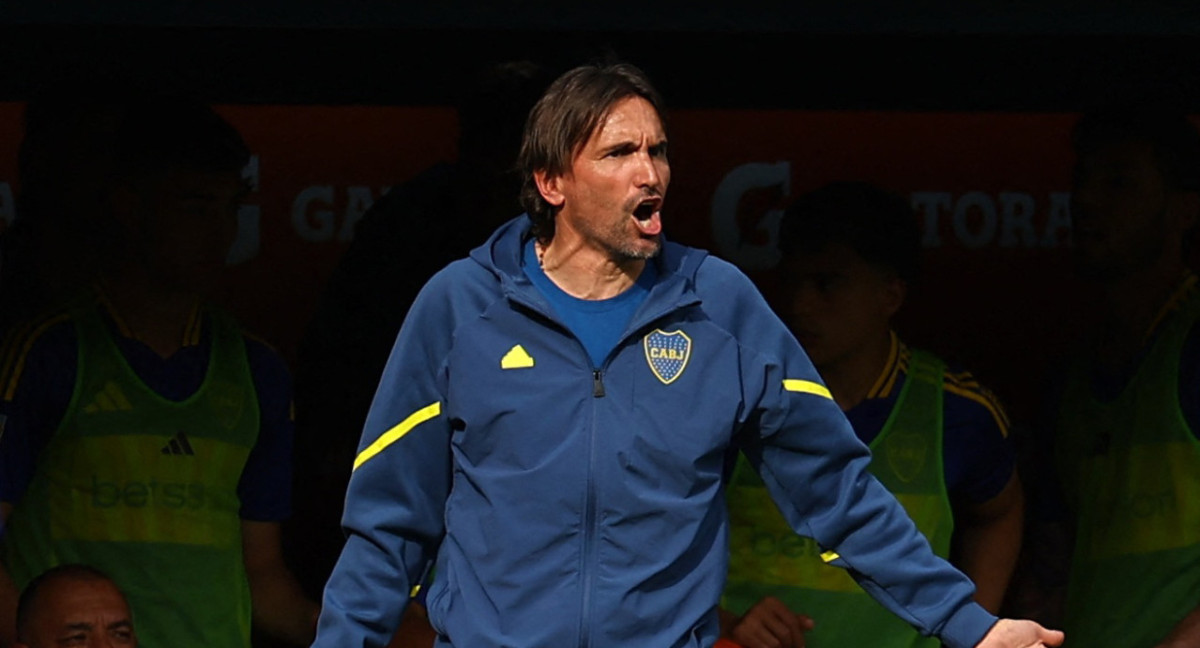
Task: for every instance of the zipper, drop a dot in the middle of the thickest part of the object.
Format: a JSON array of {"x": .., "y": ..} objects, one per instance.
[
  {"x": 589, "y": 531},
  {"x": 587, "y": 557}
]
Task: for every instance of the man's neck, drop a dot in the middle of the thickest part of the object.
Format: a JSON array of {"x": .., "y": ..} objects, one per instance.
[
  {"x": 584, "y": 272},
  {"x": 153, "y": 314},
  {"x": 850, "y": 378}
]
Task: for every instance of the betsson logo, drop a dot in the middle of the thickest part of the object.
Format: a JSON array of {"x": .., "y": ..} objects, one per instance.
[{"x": 153, "y": 493}]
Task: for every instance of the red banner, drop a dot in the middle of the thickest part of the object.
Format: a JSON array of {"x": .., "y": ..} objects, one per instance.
[{"x": 990, "y": 191}]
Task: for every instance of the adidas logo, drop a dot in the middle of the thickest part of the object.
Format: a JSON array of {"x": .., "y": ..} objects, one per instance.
[
  {"x": 110, "y": 398},
  {"x": 516, "y": 358},
  {"x": 178, "y": 445}
]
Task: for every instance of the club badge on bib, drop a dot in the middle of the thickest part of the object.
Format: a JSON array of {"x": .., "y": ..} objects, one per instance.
[{"x": 667, "y": 353}]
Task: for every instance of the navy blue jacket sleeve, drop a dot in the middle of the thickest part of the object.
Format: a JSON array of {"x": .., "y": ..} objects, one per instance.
[
  {"x": 816, "y": 471},
  {"x": 396, "y": 497}
]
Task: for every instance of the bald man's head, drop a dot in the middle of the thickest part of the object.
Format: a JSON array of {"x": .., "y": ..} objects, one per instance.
[{"x": 74, "y": 605}]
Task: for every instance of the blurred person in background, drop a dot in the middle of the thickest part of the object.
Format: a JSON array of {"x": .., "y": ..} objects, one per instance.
[
  {"x": 144, "y": 432},
  {"x": 938, "y": 439}
]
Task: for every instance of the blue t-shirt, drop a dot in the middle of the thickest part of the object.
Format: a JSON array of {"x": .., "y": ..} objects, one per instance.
[
  {"x": 599, "y": 323},
  {"x": 39, "y": 371},
  {"x": 977, "y": 458}
]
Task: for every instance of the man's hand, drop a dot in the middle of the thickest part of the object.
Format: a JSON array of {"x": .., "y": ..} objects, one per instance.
[
  {"x": 770, "y": 624},
  {"x": 1011, "y": 633}
]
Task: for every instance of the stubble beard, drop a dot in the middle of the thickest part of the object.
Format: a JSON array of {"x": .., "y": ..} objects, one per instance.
[
  {"x": 634, "y": 252},
  {"x": 616, "y": 240}
]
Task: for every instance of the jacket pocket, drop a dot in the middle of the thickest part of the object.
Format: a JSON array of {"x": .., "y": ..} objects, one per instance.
[{"x": 438, "y": 603}]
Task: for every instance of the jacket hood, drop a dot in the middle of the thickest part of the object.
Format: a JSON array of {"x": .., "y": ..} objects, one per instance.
[{"x": 501, "y": 254}]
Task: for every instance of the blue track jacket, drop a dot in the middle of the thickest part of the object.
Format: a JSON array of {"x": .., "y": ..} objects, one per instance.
[{"x": 569, "y": 507}]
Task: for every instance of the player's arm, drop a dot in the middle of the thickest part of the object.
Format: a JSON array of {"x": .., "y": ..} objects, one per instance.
[
  {"x": 39, "y": 364},
  {"x": 769, "y": 623},
  {"x": 816, "y": 471},
  {"x": 819, "y": 478},
  {"x": 989, "y": 542},
  {"x": 1185, "y": 634},
  {"x": 988, "y": 497},
  {"x": 399, "y": 483},
  {"x": 279, "y": 604}
]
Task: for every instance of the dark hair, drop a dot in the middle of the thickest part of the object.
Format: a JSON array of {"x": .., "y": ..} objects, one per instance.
[
  {"x": 879, "y": 226},
  {"x": 563, "y": 120},
  {"x": 1175, "y": 140},
  {"x": 29, "y": 596},
  {"x": 492, "y": 108},
  {"x": 175, "y": 131}
]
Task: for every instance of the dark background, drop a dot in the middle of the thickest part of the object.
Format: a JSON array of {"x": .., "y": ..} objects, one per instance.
[{"x": 940, "y": 55}]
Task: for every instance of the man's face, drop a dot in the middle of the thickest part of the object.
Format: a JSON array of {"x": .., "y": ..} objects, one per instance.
[
  {"x": 187, "y": 221},
  {"x": 80, "y": 613},
  {"x": 1120, "y": 211},
  {"x": 837, "y": 303},
  {"x": 613, "y": 195}
]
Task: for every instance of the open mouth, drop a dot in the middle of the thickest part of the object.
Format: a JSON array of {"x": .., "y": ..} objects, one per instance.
[{"x": 648, "y": 216}]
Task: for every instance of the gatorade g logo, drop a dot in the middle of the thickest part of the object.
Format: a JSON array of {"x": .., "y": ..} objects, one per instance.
[{"x": 153, "y": 493}]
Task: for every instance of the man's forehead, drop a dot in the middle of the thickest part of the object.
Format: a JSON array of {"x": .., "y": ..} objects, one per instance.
[
  {"x": 71, "y": 598},
  {"x": 623, "y": 119}
]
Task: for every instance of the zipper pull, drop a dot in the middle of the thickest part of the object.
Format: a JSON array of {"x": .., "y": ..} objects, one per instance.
[{"x": 597, "y": 384}]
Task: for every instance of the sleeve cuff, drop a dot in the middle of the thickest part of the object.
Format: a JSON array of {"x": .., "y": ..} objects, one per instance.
[{"x": 967, "y": 626}]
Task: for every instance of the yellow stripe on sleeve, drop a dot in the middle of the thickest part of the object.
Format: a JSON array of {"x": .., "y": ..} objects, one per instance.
[
  {"x": 985, "y": 398},
  {"x": 829, "y": 556},
  {"x": 393, "y": 435},
  {"x": 806, "y": 387}
]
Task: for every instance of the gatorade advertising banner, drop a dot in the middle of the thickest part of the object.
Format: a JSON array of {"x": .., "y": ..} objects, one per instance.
[{"x": 990, "y": 192}]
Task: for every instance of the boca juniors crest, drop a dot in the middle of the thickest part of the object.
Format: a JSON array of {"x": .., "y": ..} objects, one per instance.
[
  {"x": 667, "y": 353},
  {"x": 906, "y": 454}
]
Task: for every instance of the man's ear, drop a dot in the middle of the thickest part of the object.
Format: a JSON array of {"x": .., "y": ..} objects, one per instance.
[{"x": 550, "y": 187}]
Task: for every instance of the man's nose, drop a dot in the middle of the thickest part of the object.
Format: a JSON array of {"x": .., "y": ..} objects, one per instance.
[{"x": 648, "y": 173}]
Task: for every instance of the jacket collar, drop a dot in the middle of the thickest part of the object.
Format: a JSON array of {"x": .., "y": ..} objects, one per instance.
[{"x": 676, "y": 264}]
